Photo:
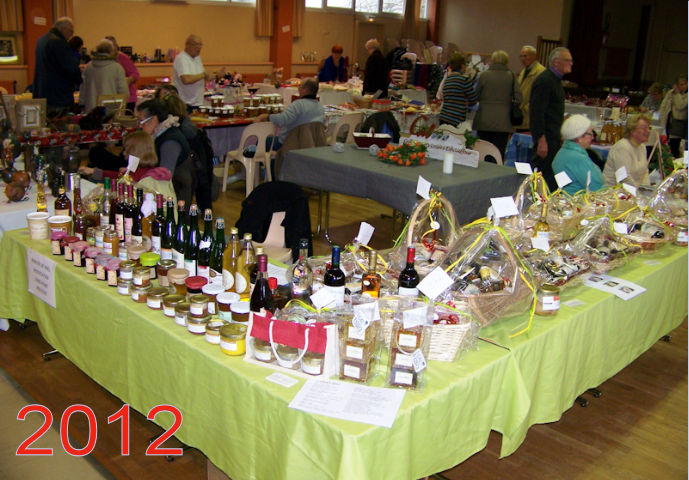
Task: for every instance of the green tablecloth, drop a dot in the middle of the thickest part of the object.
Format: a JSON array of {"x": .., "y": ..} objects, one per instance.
[{"x": 242, "y": 422}]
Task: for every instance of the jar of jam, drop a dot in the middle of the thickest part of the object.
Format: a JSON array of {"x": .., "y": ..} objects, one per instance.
[
  {"x": 233, "y": 339},
  {"x": 78, "y": 257},
  {"x": 181, "y": 313},
  {"x": 123, "y": 286},
  {"x": 139, "y": 293},
  {"x": 162, "y": 269},
  {"x": 112, "y": 267},
  {"x": 287, "y": 357},
  {"x": 141, "y": 276},
  {"x": 127, "y": 269},
  {"x": 135, "y": 251},
  {"x": 170, "y": 302},
  {"x": 213, "y": 332},
  {"x": 195, "y": 284},
  {"x": 90, "y": 254},
  {"x": 547, "y": 300},
  {"x": 150, "y": 260},
  {"x": 155, "y": 297},
  {"x": 111, "y": 242},
  {"x": 312, "y": 363},
  {"x": 212, "y": 290},
  {"x": 240, "y": 311},
  {"x": 262, "y": 350},
  {"x": 225, "y": 301},
  {"x": 198, "y": 305},
  {"x": 69, "y": 241},
  {"x": 56, "y": 242},
  {"x": 177, "y": 278},
  {"x": 197, "y": 325}
]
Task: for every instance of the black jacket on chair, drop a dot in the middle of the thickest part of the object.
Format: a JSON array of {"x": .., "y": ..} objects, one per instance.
[{"x": 270, "y": 197}]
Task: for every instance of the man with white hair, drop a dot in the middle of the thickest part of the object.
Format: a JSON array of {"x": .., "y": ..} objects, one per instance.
[
  {"x": 532, "y": 69},
  {"x": 57, "y": 73},
  {"x": 547, "y": 110}
]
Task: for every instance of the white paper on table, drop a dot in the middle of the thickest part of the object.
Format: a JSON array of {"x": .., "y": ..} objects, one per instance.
[
  {"x": 504, "y": 207},
  {"x": 540, "y": 243},
  {"x": 620, "y": 228},
  {"x": 562, "y": 179},
  {"x": 282, "y": 380},
  {"x": 323, "y": 299},
  {"x": 523, "y": 168},
  {"x": 365, "y": 233},
  {"x": 629, "y": 188},
  {"x": 133, "y": 163},
  {"x": 349, "y": 401},
  {"x": 619, "y": 287},
  {"x": 435, "y": 283},
  {"x": 621, "y": 174},
  {"x": 41, "y": 276},
  {"x": 278, "y": 272},
  {"x": 423, "y": 188}
]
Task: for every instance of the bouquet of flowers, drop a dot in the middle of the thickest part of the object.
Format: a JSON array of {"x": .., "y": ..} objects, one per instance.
[{"x": 407, "y": 154}]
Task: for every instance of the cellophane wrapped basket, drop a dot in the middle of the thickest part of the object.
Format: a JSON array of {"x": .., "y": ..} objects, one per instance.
[
  {"x": 669, "y": 204},
  {"x": 559, "y": 266},
  {"x": 490, "y": 277},
  {"x": 433, "y": 230},
  {"x": 645, "y": 230},
  {"x": 598, "y": 243}
]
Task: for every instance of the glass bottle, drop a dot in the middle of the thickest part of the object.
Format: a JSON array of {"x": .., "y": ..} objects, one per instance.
[
  {"x": 191, "y": 248},
  {"x": 216, "y": 254},
  {"x": 370, "y": 282},
  {"x": 409, "y": 277},
  {"x": 301, "y": 275},
  {"x": 137, "y": 218},
  {"x": 542, "y": 228},
  {"x": 334, "y": 277},
  {"x": 105, "y": 204},
  {"x": 262, "y": 296},
  {"x": 129, "y": 212},
  {"x": 119, "y": 212},
  {"x": 167, "y": 239},
  {"x": 229, "y": 260},
  {"x": 157, "y": 225},
  {"x": 63, "y": 205},
  {"x": 180, "y": 240},
  {"x": 246, "y": 259}
]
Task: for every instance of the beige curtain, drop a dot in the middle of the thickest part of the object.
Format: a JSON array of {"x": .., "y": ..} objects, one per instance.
[
  {"x": 410, "y": 25},
  {"x": 11, "y": 19},
  {"x": 264, "y": 18},
  {"x": 63, "y": 8},
  {"x": 298, "y": 22}
]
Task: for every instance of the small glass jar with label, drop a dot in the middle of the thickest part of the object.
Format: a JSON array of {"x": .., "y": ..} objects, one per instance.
[
  {"x": 212, "y": 290},
  {"x": 199, "y": 305},
  {"x": 127, "y": 269},
  {"x": 197, "y": 325},
  {"x": 139, "y": 293},
  {"x": 162, "y": 269},
  {"x": 181, "y": 313},
  {"x": 150, "y": 260},
  {"x": 547, "y": 300},
  {"x": 177, "y": 278},
  {"x": 233, "y": 339},
  {"x": 170, "y": 302},
  {"x": 156, "y": 296}
]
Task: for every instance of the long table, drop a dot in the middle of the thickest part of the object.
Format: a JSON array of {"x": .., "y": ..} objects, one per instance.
[
  {"x": 355, "y": 172},
  {"x": 243, "y": 425}
]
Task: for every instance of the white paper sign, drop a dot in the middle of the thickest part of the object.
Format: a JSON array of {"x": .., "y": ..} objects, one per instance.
[
  {"x": 435, "y": 283},
  {"x": 41, "y": 276},
  {"x": 365, "y": 233},
  {"x": 133, "y": 163},
  {"x": 630, "y": 188},
  {"x": 282, "y": 380},
  {"x": 523, "y": 168},
  {"x": 504, "y": 207},
  {"x": 540, "y": 243},
  {"x": 562, "y": 179},
  {"x": 620, "y": 228},
  {"x": 621, "y": 174},
  {"x": 349, "y": 401},
  {"x": 423, "y": 188},
  {"x": 323, "y": 299}
]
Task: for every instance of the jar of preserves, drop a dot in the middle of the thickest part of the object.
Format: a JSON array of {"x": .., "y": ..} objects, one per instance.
[
  {"x": 150, "y": 260},
  {"x": 212, "y": 290},
  {"x": 141, "y": 276},
  {"x": 181, "y": 313},
  {"x": 233, "y": 339},
  {"x": 156, "y": 296},
  {"x": 547, "y": 300},
  {"x": 198, "y": 305},
  {"x": 127, "y": 269},
  {"x": 162, "y": 269},
  {"x": 197, "y": 325},
  {"x": 139, "y": 293},
  {"x": 111, "y": 242},
  {"x": 213, "y": 331},
  {"x": 123, "y": 286},
  {"x": 195, "y": 284},
  {"x": 170, "y": 302},
  {"x": 177, "y": 278}
]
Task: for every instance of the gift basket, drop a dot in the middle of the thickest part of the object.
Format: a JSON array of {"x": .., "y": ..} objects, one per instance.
[
  {"x": 559, "y": 266},
  {"x": 432, "y": 229},
  {"x": 645, "y": 230},
  {"x": 669, "y": 204},
  {"x": 601, "y": 246},
  {"x": 490, "y": 277}
]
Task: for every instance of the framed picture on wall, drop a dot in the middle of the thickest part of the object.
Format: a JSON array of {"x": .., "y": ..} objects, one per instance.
[{"x": 8, "y": 49}]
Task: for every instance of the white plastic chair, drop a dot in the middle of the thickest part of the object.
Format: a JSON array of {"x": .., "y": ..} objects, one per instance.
[
  {"x": 261, "y": 131},
  {"x": 274, "y": 244},
  {"x": 485, "y": 148},
  {"x": 353, "y": 121}
]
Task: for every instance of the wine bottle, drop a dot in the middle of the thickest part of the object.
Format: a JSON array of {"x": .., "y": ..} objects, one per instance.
[
  {"x": 229, "y": 260},
  {"x": 180, "y": 240},
  {"x": 409, "y": 277},
  {"x": 104, "y": 219},
  {"x": 129, "y": 213},
  {"x": 370, "y": 281},
  {"x": 137, "y": 218},
  {"x": 119, "y": 212},
  {"x": 261, "y": 297},
  {"x": 542, "y": 228},
  {"x": 191, "y": 248},
  {"x": 217, "y": 251},
  {"x": 246, "y": 259},
  {"x": 167, "y": 239},
  {"x": 157, "y": 226},
  {"x": 334, "y": 277},
  {"x": 301, "y": 275},
  {"x": 63, "y": 205},
  {"x": 203, "y": 259}
]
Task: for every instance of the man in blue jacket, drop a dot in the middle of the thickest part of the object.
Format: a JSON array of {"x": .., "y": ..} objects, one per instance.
[{"x": 57, "y": 73}]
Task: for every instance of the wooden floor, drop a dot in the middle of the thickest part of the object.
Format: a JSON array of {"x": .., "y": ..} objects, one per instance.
[{"x": 636, "y": 430}]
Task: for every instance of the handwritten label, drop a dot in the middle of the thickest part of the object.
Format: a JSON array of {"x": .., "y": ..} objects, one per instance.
[
  {"x": 41, "y": 276},
  {"x": 423, "y": 188},
  {"x": 435, "y": 283}
]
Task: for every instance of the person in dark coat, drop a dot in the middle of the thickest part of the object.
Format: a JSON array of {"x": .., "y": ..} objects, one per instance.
[
  {"x": 377, "y": 72},
  {"x": 57, "y": 73},
  {"x": 547, "y": 111}
]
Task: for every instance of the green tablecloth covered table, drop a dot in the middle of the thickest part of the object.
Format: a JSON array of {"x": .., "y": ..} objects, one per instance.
[{"x": 242, "y": 423}]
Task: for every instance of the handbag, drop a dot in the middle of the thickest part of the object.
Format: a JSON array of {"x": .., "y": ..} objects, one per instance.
[{"x": 516, "y": 115}]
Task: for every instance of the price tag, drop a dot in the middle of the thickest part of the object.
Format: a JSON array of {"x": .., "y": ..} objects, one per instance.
[
  {"x": 562, "y": 179},
  {"x": 504, "y": 207},
  {"x": 204, "y": 244},
  {"x": 423, "y": 188},
  {"x": 540, "y": 243},
  {"x": 133, "y": 163},
  {"x": 523, "y": 168},
  {"x": 323, "y": 299},
  {"x": 620, "y": 228},
  {"x": 416, "y": 317},
  {"x": 365, "y": 233},
  {"x": 418, "y": 360},
  {"x": 621, "y": 174},
  {"x": 435, "y": 283}
]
